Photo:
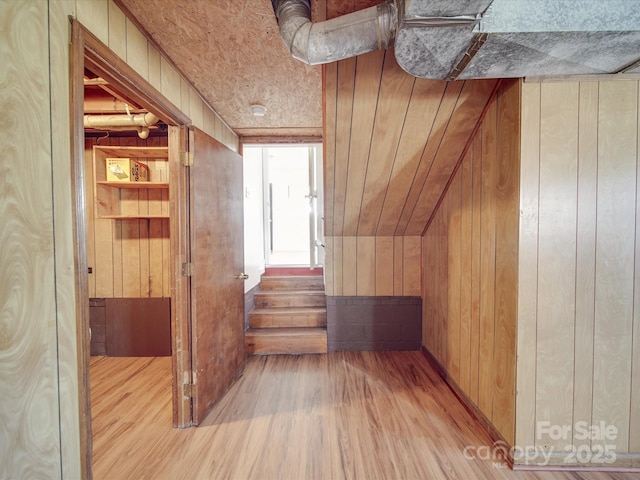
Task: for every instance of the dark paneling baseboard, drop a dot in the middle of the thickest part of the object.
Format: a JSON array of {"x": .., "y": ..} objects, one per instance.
[
  {"x": 374, "y": 323},
  {"x": 138, "y": 327}
]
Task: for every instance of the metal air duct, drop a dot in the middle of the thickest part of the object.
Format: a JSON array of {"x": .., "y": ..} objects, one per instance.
[
  {"x": 465, "y": 39},
  {"x": 336, "y": 39}
]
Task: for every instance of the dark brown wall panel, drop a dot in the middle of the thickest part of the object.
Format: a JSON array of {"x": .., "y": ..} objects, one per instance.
[
  {"x": 138, "y": 327},
  {"x": 374, "y": 323}
]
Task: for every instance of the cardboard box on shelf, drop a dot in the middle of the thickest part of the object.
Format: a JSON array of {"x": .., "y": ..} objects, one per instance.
[{"x": 126, "y": 170}]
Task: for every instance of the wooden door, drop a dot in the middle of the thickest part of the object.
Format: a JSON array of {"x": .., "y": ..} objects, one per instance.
[{"x": 217, "y": 256}]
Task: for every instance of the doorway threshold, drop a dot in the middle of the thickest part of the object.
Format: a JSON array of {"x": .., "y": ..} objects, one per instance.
[{"x": 293, "y": 270}]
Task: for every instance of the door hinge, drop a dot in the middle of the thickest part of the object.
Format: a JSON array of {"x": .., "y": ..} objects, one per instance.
[
  {"x": 188, "y": 269},
  {"x": 189, "y": 390},
  {"x": 187, "y": 159}
]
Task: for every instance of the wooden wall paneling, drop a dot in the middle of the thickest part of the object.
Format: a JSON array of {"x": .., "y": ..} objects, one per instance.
[
  {"x": 384, "y": 268},
  {"x": 452, "y": 320},
  {"x": 423, "y": 107},
  {"x": 615, "y": 247},
  {"x": 557, "y": 256},
  {"x": 475, "y": 267},
  {"x": 170, "y": 82},
  {"x": 196, "y": 109},
  {"x": 157, "y": 263},
  {"x": 444, "y": 111},
  {"x": 634, "y": 414},
  {"x": 585, "y": 252},
  {"x": 71, "y": 282},
  {"x": 411, "y": 271},
  {"x": 103, "y": 268},
  {"x": 366, "y": 93},
  {"x": 487, "y": 263},
  {"x": 29, "y": 384},
  {"x": 129, "y": 239},
  {"x": 425, "y": 294},
  {"x": 338, "y": 266},
  {"x": 394, "y": 97},
  {"x": 166, "y": 255},
  {"x": 442, "y": 283},
  {"x": 117, "y": 31},
  {"x": 92, "y": 15},
  {"x": 90, "y": 216},
  {"x": 330, "y": 97},
  {"x": 398, "y": 265},
  {"x": 209, "y": 122},
  {"x": 467, "y": 113},
  {"x": 144, "y": 226},
  {"x": 329, "y": 273},
  {"x": 528, "y": 265},
  {"x": 366, "y": 266},
  {"x": 466, "y": 224},
  {"x": 155, "y": 69},
  {"x": 431, "y": 288},
  {"x": 507, "y": 219},
  {"x": 185, "y": 99},
  {"x": 349, "y": 266},
  {"x": 137, "y": 50},
  {"x": 344, "y": 109},
  {"x": 428, "y": 286}
]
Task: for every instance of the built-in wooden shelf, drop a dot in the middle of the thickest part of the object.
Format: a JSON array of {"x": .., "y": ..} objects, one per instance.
[
  {"x": 134, "y": 217},
  {"x": 140, "y": 185},
  {"x": 131, "y": 200}
]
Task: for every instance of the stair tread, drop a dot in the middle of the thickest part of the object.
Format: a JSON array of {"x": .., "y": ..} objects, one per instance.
[
  {"x": 289, "y": 292},
  {"x": 287, "y": 331},
  {"x": 287, "y": 310},
  {"x": 293, "y": 277}
]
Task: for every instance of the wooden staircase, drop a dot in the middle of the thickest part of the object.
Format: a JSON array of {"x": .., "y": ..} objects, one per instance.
[{"x": 290, "y": 316}]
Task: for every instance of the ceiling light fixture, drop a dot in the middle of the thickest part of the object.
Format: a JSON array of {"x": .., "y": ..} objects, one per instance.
[{"x": 258, "y": 110}]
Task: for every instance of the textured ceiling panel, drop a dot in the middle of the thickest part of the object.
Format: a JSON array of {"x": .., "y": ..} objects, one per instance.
[{"x": 233, "y": 54}]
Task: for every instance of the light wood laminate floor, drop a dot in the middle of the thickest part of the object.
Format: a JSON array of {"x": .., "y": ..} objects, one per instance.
[{"x": 352, "y": 415}]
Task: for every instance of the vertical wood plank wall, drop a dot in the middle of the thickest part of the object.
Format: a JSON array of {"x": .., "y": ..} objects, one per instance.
[
  {"x": 129, "y": 258},
  {"x": 470, "y": 254},
  {"x": 578, "y": 299},
  {"x": 29, "y": 378},
  {"x": 39, "y": 380},
  {"x": 373, "y": 266},
  {"x": 391, "y": 144}
]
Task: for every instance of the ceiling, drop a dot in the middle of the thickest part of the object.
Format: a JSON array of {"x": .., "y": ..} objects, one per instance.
[{"x": 232, "y": 52}]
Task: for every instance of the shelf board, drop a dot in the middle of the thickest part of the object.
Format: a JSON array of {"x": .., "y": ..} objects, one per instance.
[
  {"x": 134, "y": 184},
  {"x": 156, "y": 153},
  {"x": 133, "y": 217}
]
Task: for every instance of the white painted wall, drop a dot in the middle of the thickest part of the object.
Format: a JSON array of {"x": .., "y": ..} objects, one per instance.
[{"x": 253, "y": 217}]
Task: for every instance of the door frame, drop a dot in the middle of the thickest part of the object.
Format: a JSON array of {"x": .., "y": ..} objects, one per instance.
[{"x": 87, "y": 50}]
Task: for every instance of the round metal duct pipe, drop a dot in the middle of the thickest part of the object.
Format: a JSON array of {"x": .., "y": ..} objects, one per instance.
[{"x": 347, "y": 36}]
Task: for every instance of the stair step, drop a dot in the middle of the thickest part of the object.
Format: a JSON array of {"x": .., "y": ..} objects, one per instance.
[
  {"x": 290, "y": 298},
  {"x": 292, "y": 282},
  {"x": 288, "y": 317},
  {"x": 273, "y": 341}
]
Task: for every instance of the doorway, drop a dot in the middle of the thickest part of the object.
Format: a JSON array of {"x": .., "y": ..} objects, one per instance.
[{"x": 292, "y": 203}]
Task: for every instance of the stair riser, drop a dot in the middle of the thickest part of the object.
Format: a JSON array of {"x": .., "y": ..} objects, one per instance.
[
  {"x": 313, "y": 283},
  {"x": 265, "y": 300},
  {"x": 274, "y": 345},
  {"x": 283, "y": 320}
]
